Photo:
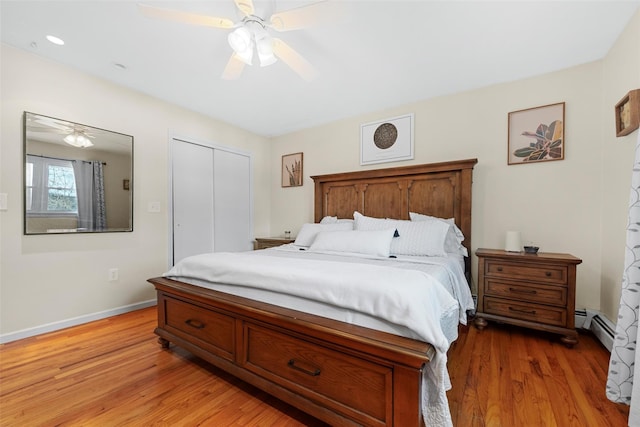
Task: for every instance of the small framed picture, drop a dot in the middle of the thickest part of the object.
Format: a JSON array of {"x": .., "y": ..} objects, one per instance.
[
  {"x": 628, "y": 113},
  {"x": 536, "y": 134},
  {"x": 292, "y": 170},
  {"x": 388, "y": 140}
]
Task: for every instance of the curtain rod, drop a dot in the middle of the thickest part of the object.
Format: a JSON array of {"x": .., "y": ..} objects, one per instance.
[{"x": 58, "y": 158}]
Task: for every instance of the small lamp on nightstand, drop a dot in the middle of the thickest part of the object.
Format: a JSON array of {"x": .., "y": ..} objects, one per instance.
[{"x": 512, "y": 242}]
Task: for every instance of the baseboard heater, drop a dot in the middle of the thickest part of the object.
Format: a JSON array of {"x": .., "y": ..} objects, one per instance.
[{"x": 595, "y": 322}]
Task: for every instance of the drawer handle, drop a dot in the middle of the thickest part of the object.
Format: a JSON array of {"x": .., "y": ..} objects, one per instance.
[
  {"x": 523, "y": 291},
  {"x": 517, "y": 310},
  {"x": 547, "y": 273},
  {"x": 195, "y": 323},
  {"x": 499, "y": 269},
  {"x": 314, "y": 373}
]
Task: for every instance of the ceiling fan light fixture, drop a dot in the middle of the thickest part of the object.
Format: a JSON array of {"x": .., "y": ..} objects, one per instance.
[
  {"x": 264, "y": 47},
  {"x": 78, "y": 140},
  {"x": 241, "y": 42}
]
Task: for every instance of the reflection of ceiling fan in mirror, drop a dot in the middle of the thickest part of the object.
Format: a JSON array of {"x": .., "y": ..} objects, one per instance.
[
  {"x": 252, "y": 33},
  {"x": 75, "y": 134}
]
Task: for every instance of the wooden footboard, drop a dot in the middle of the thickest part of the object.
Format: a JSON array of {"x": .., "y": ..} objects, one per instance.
[{"x": 343, "y": 374}]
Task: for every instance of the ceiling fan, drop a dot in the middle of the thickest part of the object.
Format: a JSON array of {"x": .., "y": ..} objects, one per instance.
[
  {"x": 252, "y": 33},
  {"x": 74, "y": 134}
]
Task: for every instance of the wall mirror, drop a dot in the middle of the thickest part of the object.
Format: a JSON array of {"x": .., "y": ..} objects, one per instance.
[{"x": 77, "y": 178}]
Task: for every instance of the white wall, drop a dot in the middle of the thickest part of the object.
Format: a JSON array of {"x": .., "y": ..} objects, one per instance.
[
  {"x": 53, "y": 278},
  {"x": 621, "y": 73},
  {"x": 558, "y": 205}
]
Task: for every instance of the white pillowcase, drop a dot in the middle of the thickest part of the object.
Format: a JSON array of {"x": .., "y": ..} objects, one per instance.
[
  {"x": 370, "y": 242},
  {"x": 453, "y": 241},
  {"x": 334, "y": 219},
  {"x": 419, "y": 238},
  {"x": 329, "y": 220},
  {"x": 308, "y": 232}
]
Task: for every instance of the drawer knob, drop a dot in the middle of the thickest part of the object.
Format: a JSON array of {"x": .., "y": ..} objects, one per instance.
[
  {"x": 499, "y": 268},
  {"x": 547, "y": 273},
  {"x": 195, "y": 323},
  {"x": 313, "y": 373}
]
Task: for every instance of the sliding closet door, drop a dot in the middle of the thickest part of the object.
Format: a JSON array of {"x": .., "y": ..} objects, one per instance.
[
  {"x": 193, "y": 219},
  {"x": 211, "y": 200},
  {"x": 232, "y": 206}
]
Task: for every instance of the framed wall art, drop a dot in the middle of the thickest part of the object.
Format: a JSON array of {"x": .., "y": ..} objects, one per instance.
[
  {"x": 628, "y": 113},
  {"x": 388, "y": 140},
  {"x": 536, "y": 134},
  {"x": 292, "y": 170}
]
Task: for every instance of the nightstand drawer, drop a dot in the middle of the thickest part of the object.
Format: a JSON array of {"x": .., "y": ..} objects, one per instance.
[
  {"x": 554, "y": 295},
  {"x": 548, "y": 273},
  {"x": 524, "y": 311}
]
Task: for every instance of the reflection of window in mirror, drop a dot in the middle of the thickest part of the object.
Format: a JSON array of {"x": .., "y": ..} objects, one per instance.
[{"x": 73, "y": 177}]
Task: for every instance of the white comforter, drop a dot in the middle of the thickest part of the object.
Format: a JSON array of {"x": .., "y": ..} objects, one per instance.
[{"x": 401, "y": 295}]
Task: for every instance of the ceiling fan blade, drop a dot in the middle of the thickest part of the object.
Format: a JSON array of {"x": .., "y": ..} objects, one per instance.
[
  {"x": 245, "y": 6},
  {"x": 184, "y": 17},
  {"x": 305, "y": 16},
  {"x": 233, "y": 69},
  {"x": 294, "y": 60}
]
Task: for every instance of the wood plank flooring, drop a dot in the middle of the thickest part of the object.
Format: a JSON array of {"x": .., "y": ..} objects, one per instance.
[{"x": 112, "y": 372}]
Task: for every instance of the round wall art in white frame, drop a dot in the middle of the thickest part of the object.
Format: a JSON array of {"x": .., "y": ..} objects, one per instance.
[{"x": 388, "y": 140}]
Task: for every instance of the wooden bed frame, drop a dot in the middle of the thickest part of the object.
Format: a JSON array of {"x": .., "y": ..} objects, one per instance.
[{"x": 340, "y": 373}]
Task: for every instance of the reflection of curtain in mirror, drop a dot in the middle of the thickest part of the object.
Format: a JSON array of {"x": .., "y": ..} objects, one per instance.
[{"x": 90, "y": 189}]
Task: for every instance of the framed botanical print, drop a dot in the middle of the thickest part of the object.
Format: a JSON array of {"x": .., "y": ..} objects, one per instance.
[
  {"x": 536, "y": 134},
  {"x": 292, "y": 170}
]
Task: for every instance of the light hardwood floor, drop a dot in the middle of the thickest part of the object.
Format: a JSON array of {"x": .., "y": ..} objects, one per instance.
[{"x": 112, "y": 372}]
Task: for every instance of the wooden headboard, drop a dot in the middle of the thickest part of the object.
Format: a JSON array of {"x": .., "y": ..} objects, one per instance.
[{"x": 437, "y": 189}]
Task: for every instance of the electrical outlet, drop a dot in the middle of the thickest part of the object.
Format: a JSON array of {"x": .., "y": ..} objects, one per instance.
[
  {"x": 153, "y": 207},
  {"x": 113, "y": 274}
]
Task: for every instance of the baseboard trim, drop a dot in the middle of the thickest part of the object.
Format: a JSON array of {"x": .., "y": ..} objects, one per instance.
[{"x": 75, "y": 321}]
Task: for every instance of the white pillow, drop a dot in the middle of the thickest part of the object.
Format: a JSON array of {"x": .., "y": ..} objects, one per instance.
[
  {"x": 308, "y": 232},
  {"x": 334, "y": 219},
  {"x": 453, "y": 241},
  {"x": 329, "y": 220},
  {"x": 373, "y": 242},
  {"x": 420, "y": 238}
]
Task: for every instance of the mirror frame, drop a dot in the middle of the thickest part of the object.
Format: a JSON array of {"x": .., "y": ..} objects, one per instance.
[{"x": 57, "y": 128}]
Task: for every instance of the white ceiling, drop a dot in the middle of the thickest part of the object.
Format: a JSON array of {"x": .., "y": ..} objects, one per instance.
[{"x": 378, "y": 55}]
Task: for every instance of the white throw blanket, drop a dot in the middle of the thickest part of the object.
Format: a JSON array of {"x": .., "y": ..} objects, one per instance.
[{"x": 406, "y": 297}]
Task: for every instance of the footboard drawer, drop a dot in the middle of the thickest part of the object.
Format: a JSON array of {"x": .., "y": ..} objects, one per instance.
[
  {"x": 214, "y": 331},
  {"x": 335, "y": 379}
]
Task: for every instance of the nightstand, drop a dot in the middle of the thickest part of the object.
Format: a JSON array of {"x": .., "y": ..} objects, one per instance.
[
  {"x": 270, "y": 242},
  {"x": 532, "y": 290}
]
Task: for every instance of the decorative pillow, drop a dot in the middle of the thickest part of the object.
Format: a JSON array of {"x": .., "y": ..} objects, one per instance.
[
  {"x": 421, "y": 238},
  {"x": 370, "y": 242},
  {"x": 453, "y": 241},
  {"x": 308, "y": 232}
]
